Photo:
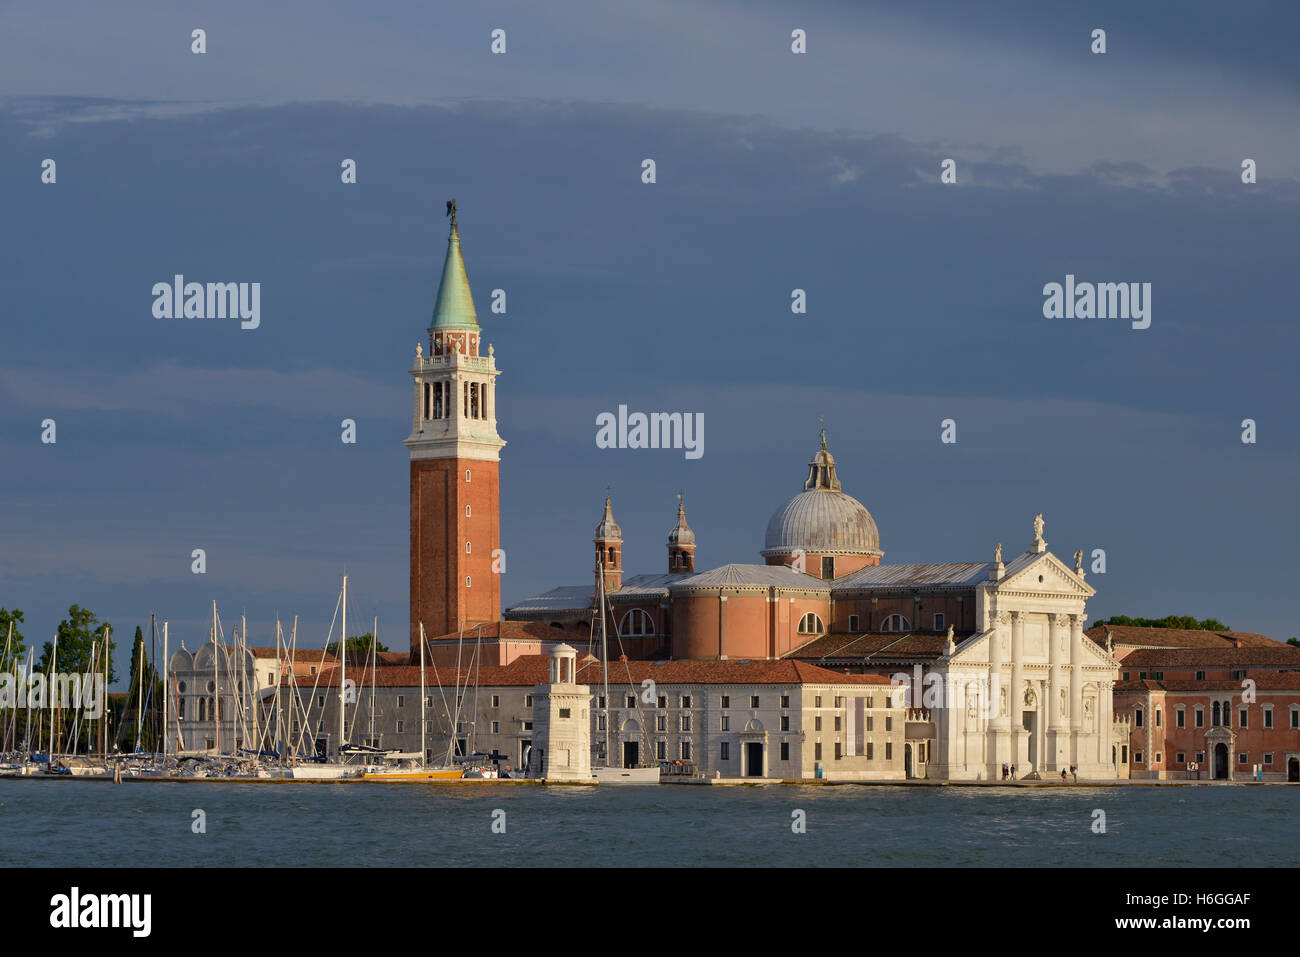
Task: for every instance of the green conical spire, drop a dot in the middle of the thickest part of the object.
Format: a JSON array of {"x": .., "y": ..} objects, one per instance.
[{"x": 454, "y": 308}]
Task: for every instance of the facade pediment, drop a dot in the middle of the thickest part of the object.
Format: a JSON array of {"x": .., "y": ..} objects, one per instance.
[{"x": 1043, "y": 574}]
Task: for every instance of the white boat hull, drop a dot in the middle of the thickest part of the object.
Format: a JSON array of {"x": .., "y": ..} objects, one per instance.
[
  {"x": 324, "y": 772},
  {"x": 625, "y": 775}
]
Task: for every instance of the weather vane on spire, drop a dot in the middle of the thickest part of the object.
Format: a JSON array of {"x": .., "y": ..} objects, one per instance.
[{"x": 451, "y": 211}]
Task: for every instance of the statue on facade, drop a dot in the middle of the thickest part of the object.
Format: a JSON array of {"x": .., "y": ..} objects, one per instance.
[
  {"x": 1038, "y": 526},
  {"x": 1078, "y": 562},
  {"x": 997, "y": 554}
]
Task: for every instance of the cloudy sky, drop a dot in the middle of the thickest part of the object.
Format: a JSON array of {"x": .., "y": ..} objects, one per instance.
[{"x": 775, "y": 171}]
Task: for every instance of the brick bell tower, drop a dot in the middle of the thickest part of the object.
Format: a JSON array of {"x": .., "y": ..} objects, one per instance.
[{"x": 455, "y": 453}]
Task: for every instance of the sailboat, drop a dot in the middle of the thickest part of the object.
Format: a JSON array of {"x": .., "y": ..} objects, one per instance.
[
  {"x": 609, "y": 774},
  {"x": 410, "y": 766}
]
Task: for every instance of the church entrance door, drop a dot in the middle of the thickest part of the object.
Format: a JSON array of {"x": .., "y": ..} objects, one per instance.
[
  {"x": 631, "y": 754},
  {"x": 1221, "y": 762}
]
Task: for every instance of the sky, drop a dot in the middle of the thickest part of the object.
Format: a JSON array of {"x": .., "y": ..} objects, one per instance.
[{"x": 775, "y": 171}]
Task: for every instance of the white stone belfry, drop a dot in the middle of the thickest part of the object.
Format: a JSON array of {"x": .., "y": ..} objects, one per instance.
[{"x": 562, "y": 722}]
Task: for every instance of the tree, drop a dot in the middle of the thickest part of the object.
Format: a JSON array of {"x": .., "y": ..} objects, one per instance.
[
  {"x": 16, "y": 646},
  {"x": 77, "y": 634},
  {"x": 1171, "y": 621},
  {"x": 1293, "y": 641},
  {"x": 356, "y": 643}
]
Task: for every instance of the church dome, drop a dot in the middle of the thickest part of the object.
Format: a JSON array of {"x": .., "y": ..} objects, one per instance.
[{"x": 822, "y": 518}]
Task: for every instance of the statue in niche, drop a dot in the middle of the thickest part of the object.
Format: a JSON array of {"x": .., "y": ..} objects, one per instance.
[
  {"x": 1064, "y": 703},
  {"x": 1029, "y": 696}
]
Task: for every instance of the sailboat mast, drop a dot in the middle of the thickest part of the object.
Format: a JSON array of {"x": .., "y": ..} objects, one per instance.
[
  {"x": 604, "y": 654},
  {"x": 166, "y": 686},
  {"x": 216, "y": 682},
  {"x": 423, "y": 750},
  {"x": 343, "y": 650}
]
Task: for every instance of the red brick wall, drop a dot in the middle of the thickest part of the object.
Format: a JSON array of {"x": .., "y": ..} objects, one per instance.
[{"x": 439, "y": 531}]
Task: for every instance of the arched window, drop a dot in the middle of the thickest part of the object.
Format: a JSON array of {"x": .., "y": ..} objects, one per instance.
[
  {"x": 810, "y": 624},
  {"x": 1214, "y": 715},
  {"x": 467, "y": 551},
  {"x": 203, "y": 709},
  {"x": 611, "y": 560},
  {"x": 636, "y": 622},
  {"x": 467, "y": 513},
  {"x": 895, "y": 623}
]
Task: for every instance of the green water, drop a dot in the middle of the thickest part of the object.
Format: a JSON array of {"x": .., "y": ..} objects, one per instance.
[{"x": 87, "y": 823}]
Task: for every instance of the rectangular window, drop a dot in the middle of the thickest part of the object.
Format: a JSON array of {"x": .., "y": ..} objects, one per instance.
[
  {"x": 600, "y": 722},
  {"x": 662, "y": 701},
  {"x": 938, "y": 622},
  {"x": 1137, "y": 757},
  {"x": 785, "y": 750},
  {"x": 401, "y": 726},
  {"x": 496, "y": 727},
  {"x": 817, "y": 723},
  {"x": 1181, "y": 757},
  {"x": 871, "y": 723},
  {"x": 817, "y": 701},
  {"x": 661, "y": 722},
  {"x": 1295, "y": 719},
  {"x": 528, "y": 726},
  {"x": 726, "y": 701},
  {"x": 889, "y": 723},
  {"x": 661, "y": 750},
  {"x": 528, "y": 701},
  {"x": 1159, "y": 716},
  {"x": 401, "y": 701},
  {"x": 724, "y": 751},
  {"x": 1243, "y": 758},
  {"x": 496, "y": 701},
  {"x": 837, "y": 722},
  {"x": 839, "y": 701},
  {"x": 871, "y": 751},
  {"x": 726, "y": 722},
  {"x": 1158, "y": 675},
  {"x": 631, "y": 701},
  {"x": 828, "y": 567},
  {"x": 785, "y": 701},
  {"x": 1268, "y": 717},
  {"x": 1200, "y": 676},
  {"x": 839, "y": 750},
  {"x": 1200, "y": 757},
  {"x": 817, "y": 751},
  {"x": 1158, "y": 758},
  {"x": 753, "y": 701},
  {"x": 686, "y": 722},
  {"x": 686, "y": 750},
  {"x": 1137, "y": 718},
  {"x": 686, "y": 701},
  {"x": 1241, "y": 713},
  {"x": 1200, "y": 717},
  {"x": 1181, "y": 718},
  {"x": 785, "y": 722},
  {"x": 1268, "y": 757},
  {"x": 853, "y": 622},
  {"x": 889, "y": 750}
]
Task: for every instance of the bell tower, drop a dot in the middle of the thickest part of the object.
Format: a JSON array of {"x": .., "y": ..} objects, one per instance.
[{"x": 455, "y": 454}]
